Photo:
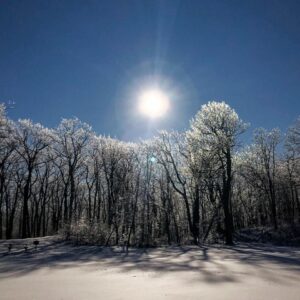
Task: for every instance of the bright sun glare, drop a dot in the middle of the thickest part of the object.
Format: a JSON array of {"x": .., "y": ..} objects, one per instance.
[{"x": 153, "y": 103}]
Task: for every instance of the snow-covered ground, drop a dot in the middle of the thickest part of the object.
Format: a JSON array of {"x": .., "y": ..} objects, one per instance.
[{"x": 61, "y": 271}]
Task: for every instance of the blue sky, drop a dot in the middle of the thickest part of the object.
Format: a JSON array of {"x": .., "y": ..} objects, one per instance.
[{"x": 89, "y": 58}]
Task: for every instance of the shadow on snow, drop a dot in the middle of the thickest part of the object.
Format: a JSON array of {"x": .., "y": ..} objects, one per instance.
[{"x": 214, "y": 264}]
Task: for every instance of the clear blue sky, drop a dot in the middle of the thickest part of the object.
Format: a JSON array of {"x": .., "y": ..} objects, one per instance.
[{"x": 88, "y": 59}]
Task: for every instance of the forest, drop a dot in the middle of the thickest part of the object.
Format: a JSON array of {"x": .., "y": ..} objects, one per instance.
[{"x": 191, "y": 187}]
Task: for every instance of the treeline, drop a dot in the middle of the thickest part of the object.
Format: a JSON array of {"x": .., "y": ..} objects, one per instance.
[{"x": 190, "y": 187}]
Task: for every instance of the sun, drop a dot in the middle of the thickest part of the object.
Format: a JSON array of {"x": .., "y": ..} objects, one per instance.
[{"x": 153, "y": 103}]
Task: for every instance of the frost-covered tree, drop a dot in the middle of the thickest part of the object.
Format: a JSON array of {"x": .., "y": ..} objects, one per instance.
[
  {"x": 7, "y": 146},
  {"x": 293, "y": 138},
  {"x": 265, "y": 144},
  {"x": 292, "y": 162},
  {"x": 70, "y": 142},
  {"x": 215, "y": 130},
  {"x": 31, "y": 140},
  {"x": 192, "y": 186}
]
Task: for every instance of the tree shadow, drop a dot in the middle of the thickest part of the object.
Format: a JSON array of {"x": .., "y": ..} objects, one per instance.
[{"x": 214, "y": 264}]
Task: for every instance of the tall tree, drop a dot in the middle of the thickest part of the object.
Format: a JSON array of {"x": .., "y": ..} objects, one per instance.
[
  {"x": 71, "y": 139},
  {"x": 32, "y": 139},
  {"x": 265, "y": 144},
  {"x": 215, "y": 129}
]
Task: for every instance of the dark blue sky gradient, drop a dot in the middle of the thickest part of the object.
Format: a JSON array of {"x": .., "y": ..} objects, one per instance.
[{"x": 90, "y": 58}]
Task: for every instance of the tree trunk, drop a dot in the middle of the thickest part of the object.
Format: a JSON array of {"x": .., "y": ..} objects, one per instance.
[
  {"x": 196, "y": 216},
  {"x": 25, "y": 213},
  {"x": 226, "y": 200}
]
